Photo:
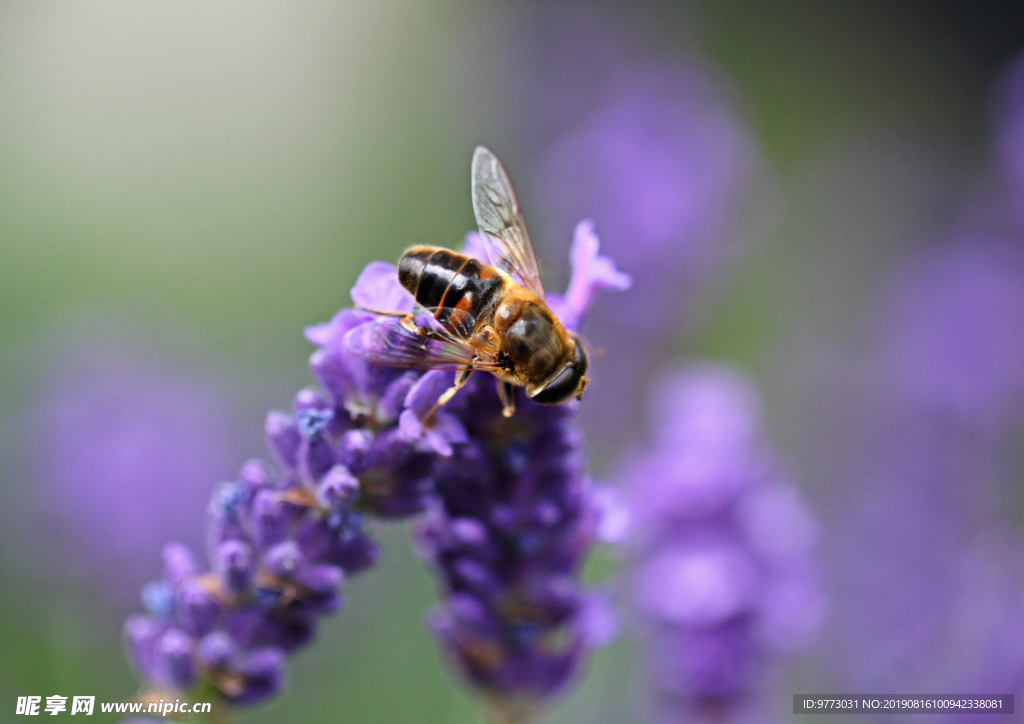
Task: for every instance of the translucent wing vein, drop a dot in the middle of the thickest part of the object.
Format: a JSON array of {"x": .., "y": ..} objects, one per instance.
[
  {"x": 390, "y": 343},
  {"x": 501, "y": 222}
]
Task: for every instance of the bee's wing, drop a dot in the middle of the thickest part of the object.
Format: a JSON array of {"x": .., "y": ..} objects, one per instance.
[
  {"x": 390, "y": 343},
  {"x": 393, "y": 342},
  {"x": 501, "y": 222}
]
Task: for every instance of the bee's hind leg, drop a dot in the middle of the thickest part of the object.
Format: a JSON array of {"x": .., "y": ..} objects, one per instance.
[
  {"x": 507, "y": 395},
  {"x": 408, "y": 320},
  {"x": 444, "y": 399},
  {"x": 383, "y": 313}
]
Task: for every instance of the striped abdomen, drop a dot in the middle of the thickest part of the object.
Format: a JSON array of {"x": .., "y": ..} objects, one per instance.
[{"x": 441, "y": 278}]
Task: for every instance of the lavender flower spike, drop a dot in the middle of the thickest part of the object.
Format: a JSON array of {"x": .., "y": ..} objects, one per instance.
[
  {"x": 511, "y": 524},
  {"x": 726, "y": 573},
  {"x": 279, "y": 555},
  {"x": 510, "y": 495},
  {"x": 282, "y": 544}
]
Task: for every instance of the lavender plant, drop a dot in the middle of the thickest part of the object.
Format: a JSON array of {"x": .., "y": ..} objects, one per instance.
[
  {"x": 726, "y": 578},
  {"x": 926, "y": 562},
  {"x": 123, "y": 411},
  {"x": 667, "y": 168},
  {"x": 663, "y": 164},
  {"x": 944, "y": 415},
  {"x": 506, "y": 537},
  {"x": 509, "y": 519}
]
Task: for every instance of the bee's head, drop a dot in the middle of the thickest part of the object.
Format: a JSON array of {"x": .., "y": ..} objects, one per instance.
[{"x": 568, "y": 381}]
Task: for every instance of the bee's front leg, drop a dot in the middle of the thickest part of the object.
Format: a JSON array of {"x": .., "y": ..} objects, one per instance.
[
  {"x": 444, "y": 399},
  {"x": 507, "y": 395}
]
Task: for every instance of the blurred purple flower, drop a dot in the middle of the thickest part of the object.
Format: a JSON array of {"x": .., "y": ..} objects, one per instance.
[
  {"x": 726, "y": 578},
  {"x": 989, "y": 618},
  {"x": 946, "y": 401},
  {"x": 955, "y": 331},
  {"x": 543, "y": 66},
  {"x": 664, "y": 167},
  {"x": 929, "y": 584},
  {"x": 929, "y": 598},
  {"x": 1009, "y": 133},
  {"x": 660, "y": 168},
  {"x": 120, "y": 453}
]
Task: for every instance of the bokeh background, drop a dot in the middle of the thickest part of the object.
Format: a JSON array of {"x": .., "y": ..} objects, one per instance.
[{"x": 826, "y": 193}]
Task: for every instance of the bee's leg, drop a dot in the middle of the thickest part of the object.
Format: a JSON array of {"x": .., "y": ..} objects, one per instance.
[
  {"x": 507, "y": 395},
  {"x": 382, "y": 313},
  {"x": 408, "y": 320},
  {"x": 460, "y": 382}
]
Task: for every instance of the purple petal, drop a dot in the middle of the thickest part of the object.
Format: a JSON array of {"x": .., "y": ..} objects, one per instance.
[
  {"x": 699, "y": 586},
  {"x": 284, "y": 559},
  {"x": 354, "y": 449},
  {"x": 141, "y": 634},
  {"x": 254, "y": 475},
  {"x": 197, "y": 609},
  {"x": 468, "y": 611},
  {"x": 439, "y": 444},
  {"x": 410, "y": 426},
  {"x": 316, "y": 457},
  {"x": 446, "y": 430},
  {"x": 309, "y": 401},
  {"x": 216, "y": 650},
  {"x": 475, "y": 248},
  {"x": 591, "y": 273},
  {"x": 320, "y": 334},
  {"x": 330, "y": 334},
  {"x": 283, "y": 437},
  {"x": 425, "y": 393},
  {"x": 338, "y": 489},
  {"x": 158, "y": 598},
  {"x": 355, "y": 556},
  {"x": 614, "y": 518},
  {"x": 263, "y": 673},
  {"x": 469, "y": 532},
  {"x": 377, "y": 288},
  {"x": 712, "y": 406},
  {"x": 332, "y": 375},
  {"x": 270, "y": 520},
  {"x": 598, "y": 624},
  {"x": 225, "y": 510},
  {"x": 321, "y": 578},
  {"x": 174, "y": 658},
  {"x": 391, "y": 403},
  {"x": 234, "y": 564},
  {"x": 179, "y": 562},
  {"x": 777, "y": 523}
]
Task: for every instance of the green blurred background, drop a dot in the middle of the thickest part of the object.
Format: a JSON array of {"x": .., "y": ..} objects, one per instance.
[{"x": 206, "y": 179}]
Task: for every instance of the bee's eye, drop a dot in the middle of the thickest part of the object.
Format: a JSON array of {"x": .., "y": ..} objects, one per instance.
[
  {"x": 567, "y": 382},
  {"x": 580, "y": 355},
  {"x": 561, "y": 388}
]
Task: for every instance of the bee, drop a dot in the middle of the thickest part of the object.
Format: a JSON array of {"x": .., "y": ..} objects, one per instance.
[{"x": 485, "y": 318}]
